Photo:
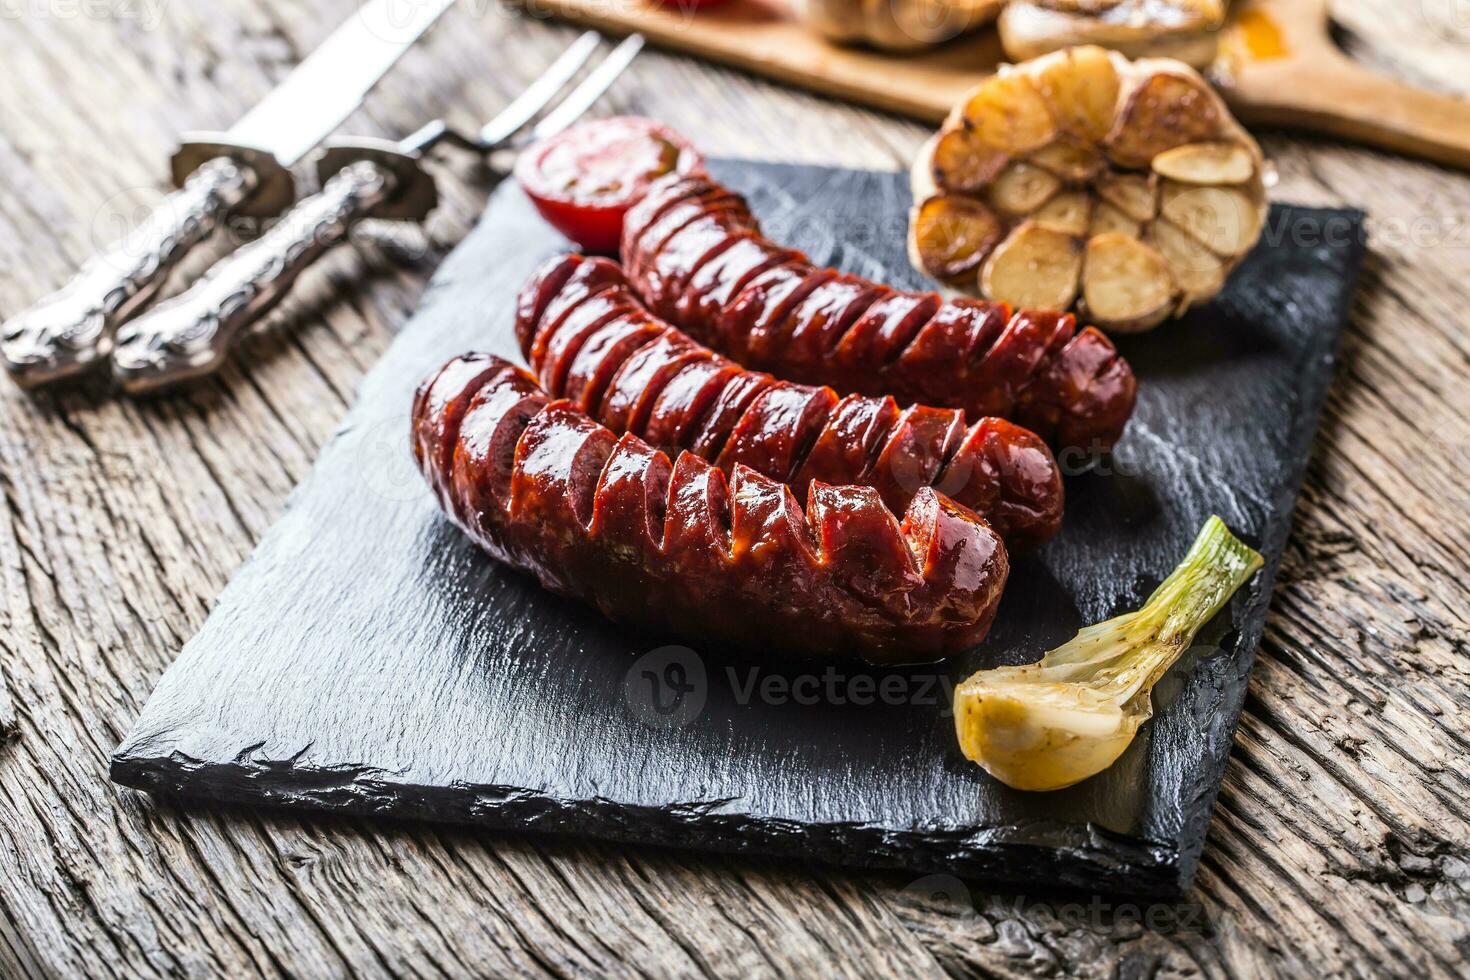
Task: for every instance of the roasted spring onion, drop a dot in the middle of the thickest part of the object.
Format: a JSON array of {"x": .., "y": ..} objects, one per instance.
[{"x": 1050, "y": 724}]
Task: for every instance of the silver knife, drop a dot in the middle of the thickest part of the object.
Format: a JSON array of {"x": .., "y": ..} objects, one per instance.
[
  {"x": 243, "y": 171},
  {"x": 191, "y": 334}
]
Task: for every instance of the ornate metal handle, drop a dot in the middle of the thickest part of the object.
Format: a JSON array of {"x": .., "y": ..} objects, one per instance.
[
  {"x": 191, "y": 334},
  {"x": 72, "y": 329}
]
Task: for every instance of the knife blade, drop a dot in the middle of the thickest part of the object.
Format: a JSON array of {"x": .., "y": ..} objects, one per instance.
[
  {"x": 335, "y": 78},
  {"x": 191, "y": 334},
  {"x": 244, "y": 170}
]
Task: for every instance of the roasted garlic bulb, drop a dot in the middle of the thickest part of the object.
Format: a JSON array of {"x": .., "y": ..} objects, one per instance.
[
  {"x": 895, "y": 25},
  {"x": 1080, "y": 178},
  {"x": 1186, "y": 30}
]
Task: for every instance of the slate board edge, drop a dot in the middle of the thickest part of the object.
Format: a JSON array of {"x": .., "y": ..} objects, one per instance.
[
  {"x": 1306, "y": 421},
  {"x": 1059, "y": 851}
]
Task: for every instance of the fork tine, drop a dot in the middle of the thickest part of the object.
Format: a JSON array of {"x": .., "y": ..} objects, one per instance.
[
  {"x": 540, "y": 92},
  {"x": 582, "y": 98}
]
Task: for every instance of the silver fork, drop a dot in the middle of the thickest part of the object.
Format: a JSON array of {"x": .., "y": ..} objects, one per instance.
[{"x": 190, "y": 335}]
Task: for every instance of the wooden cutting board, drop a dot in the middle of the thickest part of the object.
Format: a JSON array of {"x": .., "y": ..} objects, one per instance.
[
  {"x": 1279, "y": 67},
  {"x": 369, "y": 659}
]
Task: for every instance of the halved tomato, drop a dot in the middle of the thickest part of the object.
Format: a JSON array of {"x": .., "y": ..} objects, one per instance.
[{"x": 584, "y": 180}]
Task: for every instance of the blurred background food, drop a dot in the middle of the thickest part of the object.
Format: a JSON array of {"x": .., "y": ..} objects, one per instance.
[
  {"x": 1186, "y": 30},
  {"x": 896, "y": 25}
]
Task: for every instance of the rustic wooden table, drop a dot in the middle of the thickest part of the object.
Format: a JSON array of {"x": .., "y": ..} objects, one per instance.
[{"x": 1340, "y": 838}]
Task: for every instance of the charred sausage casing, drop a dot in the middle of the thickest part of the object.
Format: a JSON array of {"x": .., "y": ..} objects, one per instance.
[
  {"x": 676, "y": 546},
  {"x": 696, "y": 256},
  {"x": 590, "y": 340}
]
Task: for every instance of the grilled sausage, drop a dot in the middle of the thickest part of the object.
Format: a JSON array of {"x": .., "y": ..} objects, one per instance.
[
  {"x": 545, "y": 489},
  {"x": 589, "y": 339},
  {"x": 696, "y": 256}
]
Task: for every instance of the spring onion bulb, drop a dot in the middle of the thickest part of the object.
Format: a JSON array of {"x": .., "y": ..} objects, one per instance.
[{"x": 1050, "y": 724}]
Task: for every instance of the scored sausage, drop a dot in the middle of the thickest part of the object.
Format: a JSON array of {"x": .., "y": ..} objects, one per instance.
[
  {"x": 547, "y": 490},
  {"x": 696, "y": 256},
  {"x": 589, "y": 339}
]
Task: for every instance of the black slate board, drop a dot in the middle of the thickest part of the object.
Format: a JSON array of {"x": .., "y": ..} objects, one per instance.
[{"x": 368, "y": 659}]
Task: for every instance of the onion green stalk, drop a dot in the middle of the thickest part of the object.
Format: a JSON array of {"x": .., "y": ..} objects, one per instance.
[{"x": 1050, "y": 724}]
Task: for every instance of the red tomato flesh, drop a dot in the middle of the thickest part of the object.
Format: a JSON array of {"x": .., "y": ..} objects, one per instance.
[{"x": 584, "y": 180}]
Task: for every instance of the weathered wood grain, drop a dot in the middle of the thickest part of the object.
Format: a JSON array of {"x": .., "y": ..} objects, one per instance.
[
  {"x": 1339, "y": 840},
  {"x": 8, "y": 723}
]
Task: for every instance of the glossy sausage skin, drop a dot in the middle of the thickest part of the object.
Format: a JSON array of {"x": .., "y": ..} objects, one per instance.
[
  {"x": 589, "y": 339},
  {"x": 547, "y": 490},
  {"x": 696, "y": 256}
]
